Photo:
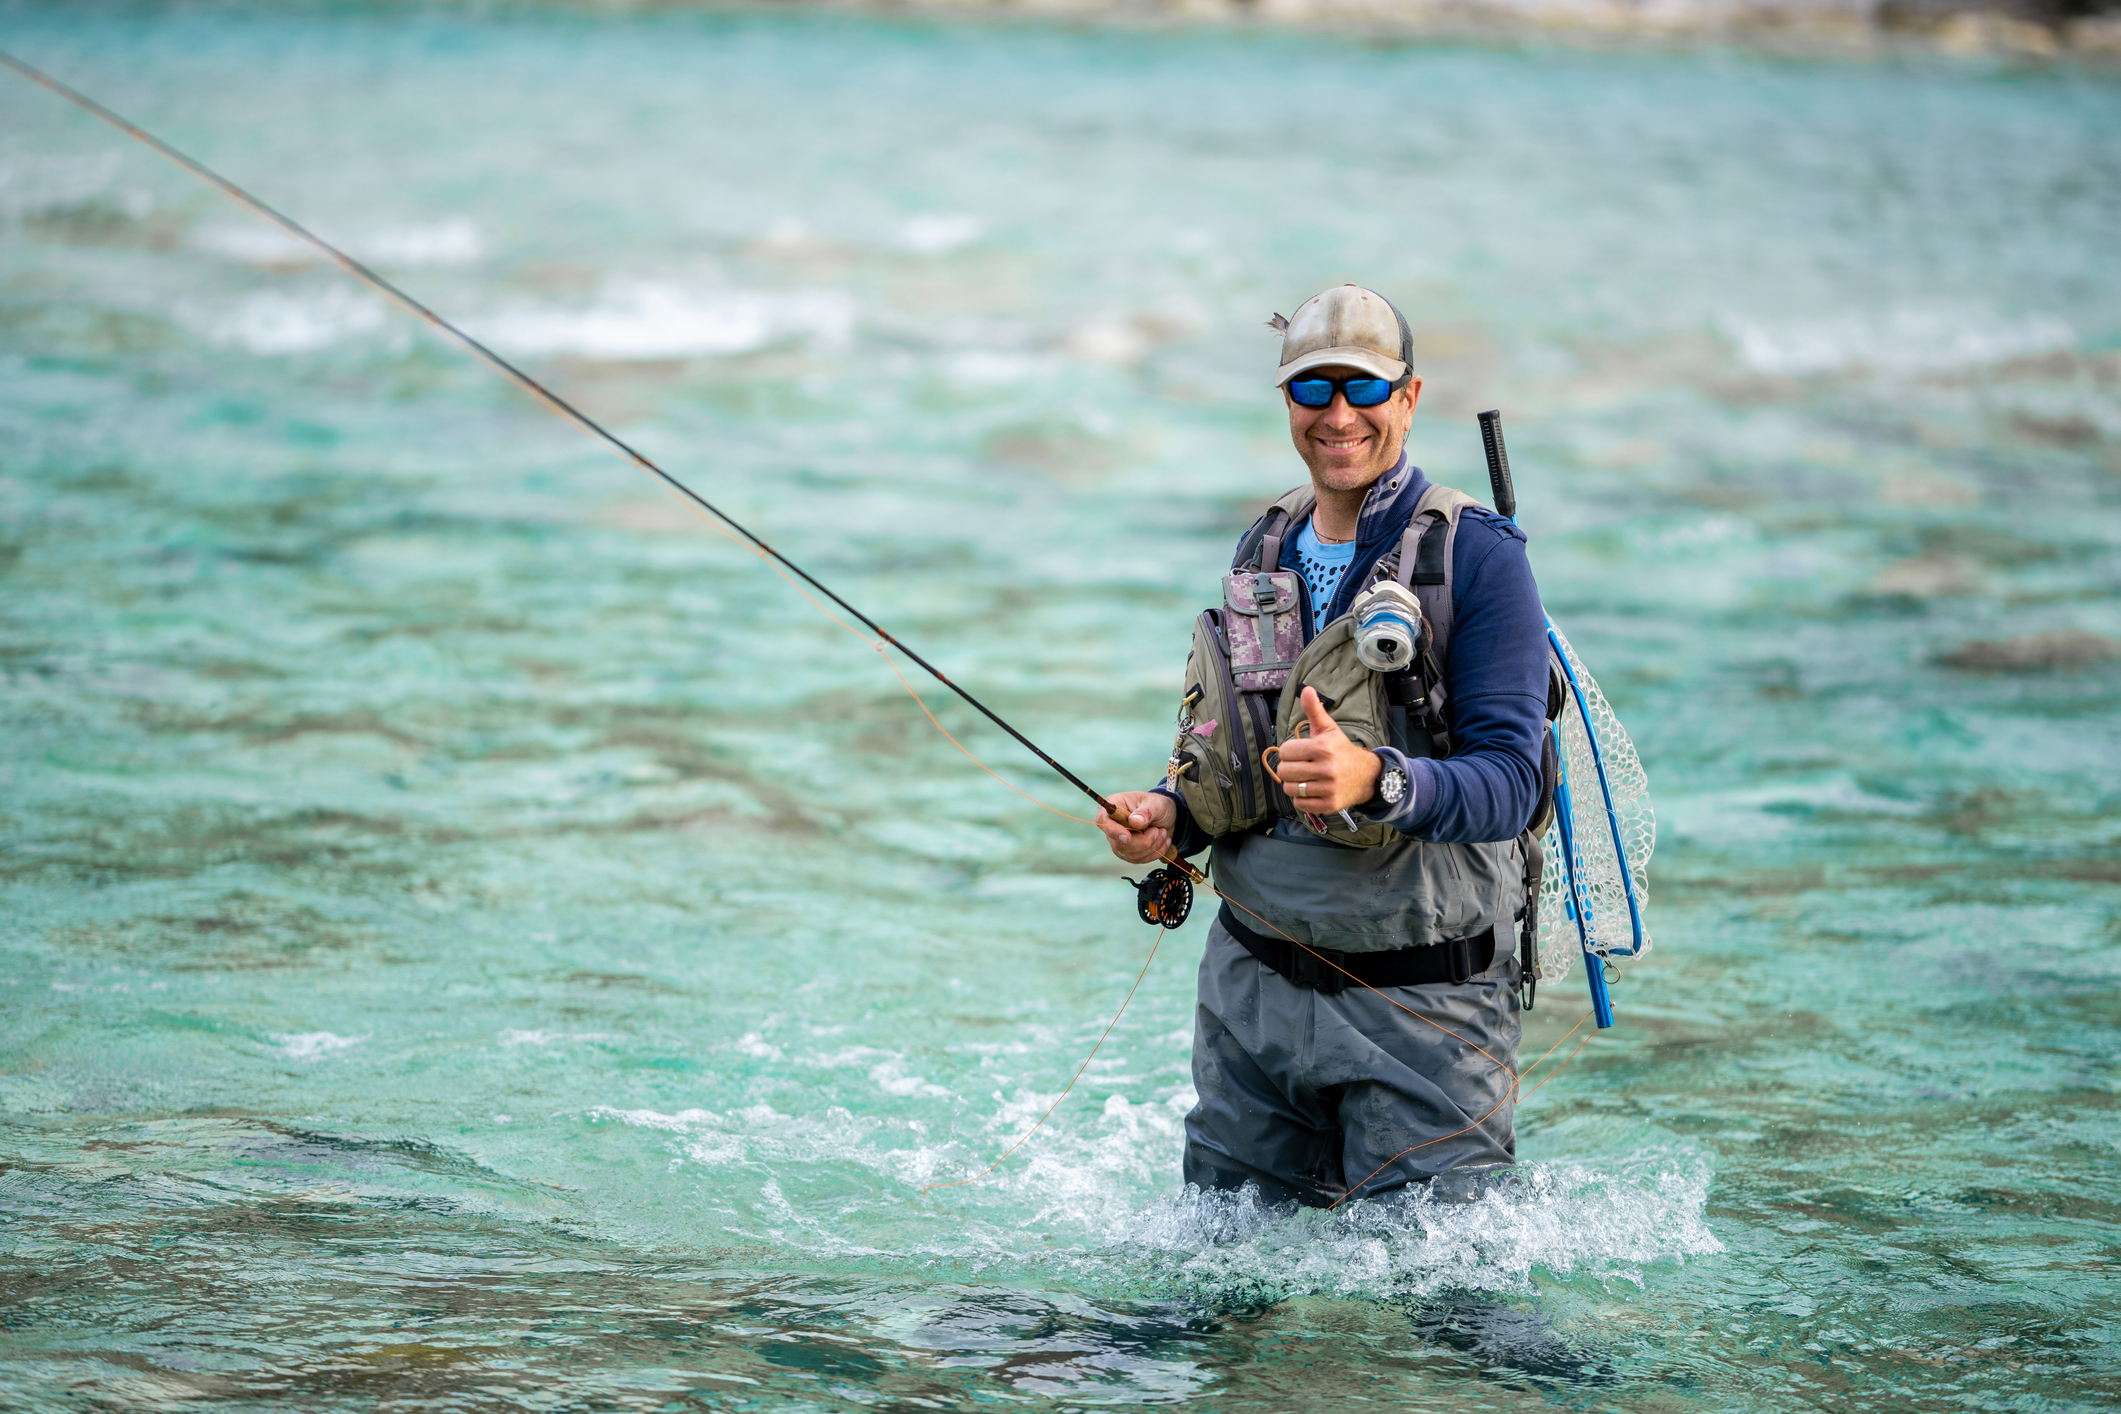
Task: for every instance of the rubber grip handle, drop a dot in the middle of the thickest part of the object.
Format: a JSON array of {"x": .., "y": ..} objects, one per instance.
[{"x": 1498, "y": 463}]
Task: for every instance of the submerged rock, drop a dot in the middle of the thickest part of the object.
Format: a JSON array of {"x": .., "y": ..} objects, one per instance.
[{"x": 2033, "y": 653}]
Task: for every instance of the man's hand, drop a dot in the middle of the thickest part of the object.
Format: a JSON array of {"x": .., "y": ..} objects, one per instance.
[
  {"x": 1151, "y": 817},
  {"x": 1325, "y": 772}
]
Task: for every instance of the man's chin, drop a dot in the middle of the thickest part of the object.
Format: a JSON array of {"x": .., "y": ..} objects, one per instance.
[{"x": 1345, "y": 478}]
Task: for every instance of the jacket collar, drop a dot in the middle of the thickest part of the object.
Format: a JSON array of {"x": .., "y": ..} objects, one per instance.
[
  {"x": 1389, "y": 505},
  {"x": 1386, "y": 509}
]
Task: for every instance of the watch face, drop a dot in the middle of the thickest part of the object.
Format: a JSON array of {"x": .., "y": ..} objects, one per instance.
[{"x": 1393, "y": 786}]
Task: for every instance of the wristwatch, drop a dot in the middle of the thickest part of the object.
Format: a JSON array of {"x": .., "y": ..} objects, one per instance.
[{"x": 1392, "y": 785}]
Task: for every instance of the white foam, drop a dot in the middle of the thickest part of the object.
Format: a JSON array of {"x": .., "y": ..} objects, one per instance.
[
  {"x": 313, "y": 1045},
  {"x": 940, "y": 234},
  {"x": 31, "y": 184},
  {"x": 292, "y": 321},
  {"x": 452, "y": 241},
  {"x": 753, "y": 1044},
  {"x": 890, "y": 1077},
  {"x": 512, "y": 1037},
  {"x": 1078, "y": 1197},
  {"x": 987, "y": 368},
  {"x": 455, "y": 241},
  {"x": 253, "y": 241},
  {"x": 646, "y": 319},
  {"x": 679, "y": 1122},
  {"x": 1905, "y": 341},
  {"x": 1557, "y": 1218}
]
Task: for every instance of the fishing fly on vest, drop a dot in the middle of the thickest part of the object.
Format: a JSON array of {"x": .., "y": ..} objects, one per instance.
[{"x": 1405, "y": 923}]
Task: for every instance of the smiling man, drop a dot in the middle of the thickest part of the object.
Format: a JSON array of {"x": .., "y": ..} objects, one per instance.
[{"x": 1382, "y": 1051}]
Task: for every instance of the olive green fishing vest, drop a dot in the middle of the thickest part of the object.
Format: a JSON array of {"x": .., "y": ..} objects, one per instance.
[{"x": 1367, "y": 889}]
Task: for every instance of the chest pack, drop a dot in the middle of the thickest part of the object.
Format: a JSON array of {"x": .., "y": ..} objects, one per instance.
[{"x": 1250, "y": 663}]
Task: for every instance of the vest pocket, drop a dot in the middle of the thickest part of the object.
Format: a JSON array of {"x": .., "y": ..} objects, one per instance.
[
  {"x": 1214, "y": 763},
  {"x": 1263, "y": 622},
  {"x": 1355, "y": 697}
]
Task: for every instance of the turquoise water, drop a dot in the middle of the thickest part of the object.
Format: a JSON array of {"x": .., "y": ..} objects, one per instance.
[{"x": 474, "y": 939}]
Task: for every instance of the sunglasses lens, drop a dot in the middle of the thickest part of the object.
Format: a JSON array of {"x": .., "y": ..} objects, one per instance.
[
  {"x": 1368, "y": 392},
  {"x": 1311, "y": 392}
]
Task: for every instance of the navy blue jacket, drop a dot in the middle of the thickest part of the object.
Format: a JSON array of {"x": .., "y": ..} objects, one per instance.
[{"x": 1496, "y": 674}]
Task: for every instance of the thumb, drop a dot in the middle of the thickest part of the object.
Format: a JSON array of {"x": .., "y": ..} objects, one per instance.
[{"x": 1315, "y": 711}]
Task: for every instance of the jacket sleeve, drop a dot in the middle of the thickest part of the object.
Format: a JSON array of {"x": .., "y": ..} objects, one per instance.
[{"x": 1497, "y": 680}]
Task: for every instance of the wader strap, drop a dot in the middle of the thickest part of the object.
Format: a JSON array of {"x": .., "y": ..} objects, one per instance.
[
  {"x": 1422, "y": 565},
  {"x": 1409, "y": 551},
  {"x": 1535, "y": 858},
  {"x": 1288, "y": 508},
  {"x": 1457, "y": 960},
  {"x": 1427, "y": 571},
  {"x": 1269, "y": 557},
  {"x": 1428, "y": 554}
]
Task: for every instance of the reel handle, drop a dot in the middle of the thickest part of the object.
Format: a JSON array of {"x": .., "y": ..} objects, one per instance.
[{"x": 1498, "y": 463}]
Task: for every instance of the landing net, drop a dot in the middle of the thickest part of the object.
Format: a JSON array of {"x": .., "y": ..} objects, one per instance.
[{"x": 1595, "y": 895}]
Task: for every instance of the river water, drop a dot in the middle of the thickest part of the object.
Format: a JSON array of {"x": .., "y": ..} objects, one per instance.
[{"x": 472, "y": 938}]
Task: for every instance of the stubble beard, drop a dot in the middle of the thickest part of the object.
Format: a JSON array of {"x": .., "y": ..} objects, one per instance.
[{"x": 1355, "y": 478}]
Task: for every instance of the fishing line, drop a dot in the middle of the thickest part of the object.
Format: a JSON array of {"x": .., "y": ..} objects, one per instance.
[
  {"x": 735, "y": 531},
  {"x": 1515, "y": 1082},
  {"x": 960, "y": 1183},
  {"x": 523, "y": 380}
]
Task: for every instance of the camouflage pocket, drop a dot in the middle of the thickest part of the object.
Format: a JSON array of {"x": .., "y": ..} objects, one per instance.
[{"x": 1263, "y": 617}]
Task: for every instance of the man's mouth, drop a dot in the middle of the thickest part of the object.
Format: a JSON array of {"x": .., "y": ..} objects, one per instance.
[{"x": 1349, "y": 445}]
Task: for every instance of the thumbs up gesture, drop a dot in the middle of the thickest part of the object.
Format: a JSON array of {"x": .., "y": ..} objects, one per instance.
[{"x": 1325, "y": 772}]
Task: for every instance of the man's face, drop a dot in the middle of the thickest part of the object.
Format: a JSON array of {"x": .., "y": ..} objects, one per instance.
[{"x": 1346, "y": 447}]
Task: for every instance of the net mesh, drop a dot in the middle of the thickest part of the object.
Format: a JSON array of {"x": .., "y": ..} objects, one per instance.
[{"x": 1596, "y": 867}]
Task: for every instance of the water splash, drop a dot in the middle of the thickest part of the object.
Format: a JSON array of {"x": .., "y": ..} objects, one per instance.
[{"x": 1605, "y": 1220}]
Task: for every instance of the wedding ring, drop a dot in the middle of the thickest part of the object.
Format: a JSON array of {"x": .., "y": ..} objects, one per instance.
[{"x": 1303, "y": 787}]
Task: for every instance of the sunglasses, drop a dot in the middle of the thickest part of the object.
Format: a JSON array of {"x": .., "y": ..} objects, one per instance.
[{"x": 1360, "y": 392}]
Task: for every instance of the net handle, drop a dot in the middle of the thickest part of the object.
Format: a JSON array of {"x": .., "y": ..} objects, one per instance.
[{"x": 1605, "y": 786}]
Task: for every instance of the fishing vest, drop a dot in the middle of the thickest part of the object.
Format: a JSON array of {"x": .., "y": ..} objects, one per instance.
[{"x": 1369, "y": 888}]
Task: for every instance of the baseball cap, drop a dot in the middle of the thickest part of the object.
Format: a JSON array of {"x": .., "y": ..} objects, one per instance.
[{"x": 1346, "y": 325}]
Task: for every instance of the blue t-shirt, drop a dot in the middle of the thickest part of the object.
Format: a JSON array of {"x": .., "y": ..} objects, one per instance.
[{"x": 1321, "y": 564}]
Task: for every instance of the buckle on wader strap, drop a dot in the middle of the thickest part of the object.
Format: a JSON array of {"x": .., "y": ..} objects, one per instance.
[
  {"x": 1318, "y": 969},
  {"x": 1459, "y": 952}
]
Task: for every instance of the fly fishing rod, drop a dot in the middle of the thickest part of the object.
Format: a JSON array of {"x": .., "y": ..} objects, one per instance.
[
  {"x": 1164, "y": 898},
  {"x": 1167, "y": 887}
]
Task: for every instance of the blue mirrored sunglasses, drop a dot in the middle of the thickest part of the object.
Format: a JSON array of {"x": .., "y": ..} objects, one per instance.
[{"x": 1361, "y": 392}]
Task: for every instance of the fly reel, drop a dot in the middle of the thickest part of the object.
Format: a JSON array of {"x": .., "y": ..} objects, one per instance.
[{"x": 1164, "y": 898}]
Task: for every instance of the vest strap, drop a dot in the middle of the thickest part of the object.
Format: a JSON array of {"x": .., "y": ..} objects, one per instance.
[
  {"x": 1269, "y": 559},
  {"x": 1428, "y": 554}
]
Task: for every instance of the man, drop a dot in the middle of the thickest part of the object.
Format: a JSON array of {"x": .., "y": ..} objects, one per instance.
[{"x": 1312, "y": 1086}]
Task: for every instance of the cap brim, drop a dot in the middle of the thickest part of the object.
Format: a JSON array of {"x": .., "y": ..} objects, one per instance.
[{"x": 1369, "y": 361}]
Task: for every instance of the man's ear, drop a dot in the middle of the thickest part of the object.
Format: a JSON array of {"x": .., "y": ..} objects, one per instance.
[{"x": 1413, "y": 391}]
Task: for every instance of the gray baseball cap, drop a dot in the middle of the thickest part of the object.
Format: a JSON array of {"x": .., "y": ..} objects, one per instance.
[{"x": 1346, "y": 325}]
